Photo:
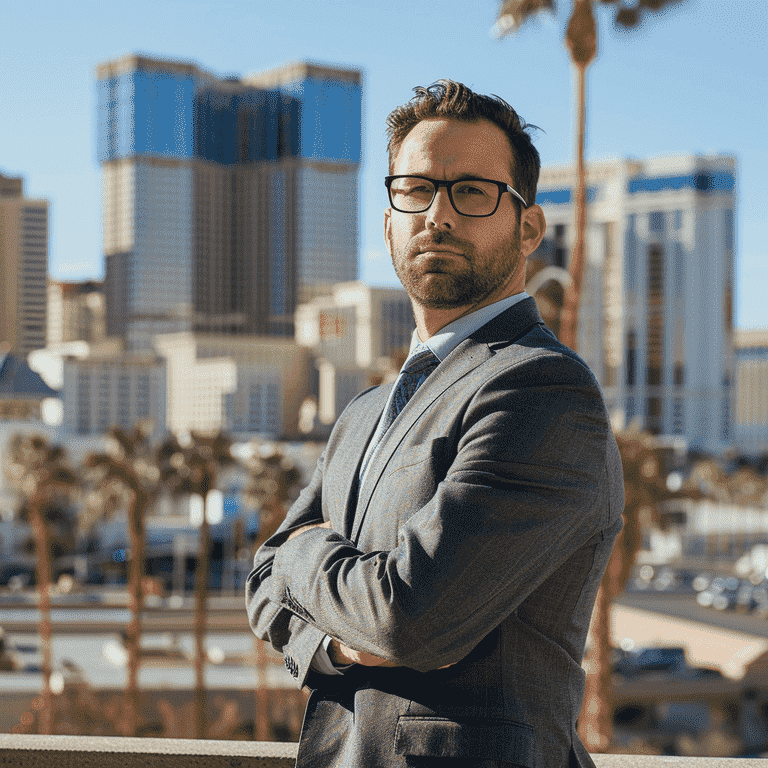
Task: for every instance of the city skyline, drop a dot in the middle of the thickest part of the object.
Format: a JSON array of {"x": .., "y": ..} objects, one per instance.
[{"x": 48, "y": 90}]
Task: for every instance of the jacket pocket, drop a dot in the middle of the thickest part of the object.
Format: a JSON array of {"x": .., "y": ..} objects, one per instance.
[{"x": 486, "y": 739}]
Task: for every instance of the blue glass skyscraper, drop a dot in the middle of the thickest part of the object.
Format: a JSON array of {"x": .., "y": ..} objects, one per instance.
[{"x": 226, "y": 200}]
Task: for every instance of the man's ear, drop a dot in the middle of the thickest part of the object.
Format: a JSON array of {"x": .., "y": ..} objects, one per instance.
[
  {"x": 533, "y": 225},
  {"x": 388, "y": 229}
]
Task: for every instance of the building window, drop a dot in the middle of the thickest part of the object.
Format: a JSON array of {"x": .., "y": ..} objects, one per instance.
[
  {"x": 679, "y": 268},
  {"x": 655, "y": 318},
  {"x": 656, "y": 221},
  {"x": 678, "y": 424},
  {"x": 630, "y": 251},
  {"x": 653, "y": 414},
  {"x": 631, "y": 359},
  {"x": 678, "y": 220},
  {"x": 679, "y": 375},
  {"x": 728, "y": 229}
]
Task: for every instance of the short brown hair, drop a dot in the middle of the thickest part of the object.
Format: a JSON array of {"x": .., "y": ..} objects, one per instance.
[{"x": 449, "y": 99}]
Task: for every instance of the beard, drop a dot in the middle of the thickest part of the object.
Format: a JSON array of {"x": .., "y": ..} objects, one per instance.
[{"x": 453, "y": 281}]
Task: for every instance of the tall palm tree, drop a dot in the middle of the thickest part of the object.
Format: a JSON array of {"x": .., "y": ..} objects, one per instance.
[
  {"x": 645, "y": 488},
  {"x": 194, "y": 469},
  {"x": 127, "y": 477},
  {"x": 42, "y": 474},
  {"x": 581, "y": 41},
  {"x": 274, "y": 482}
]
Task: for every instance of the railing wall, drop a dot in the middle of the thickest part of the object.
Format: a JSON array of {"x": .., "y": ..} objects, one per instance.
[{"x": 106, "y": 752}]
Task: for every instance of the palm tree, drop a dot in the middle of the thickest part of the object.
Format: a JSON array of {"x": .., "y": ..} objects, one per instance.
[
  {"x": 194, "y": 470},
  {"x": 581, "y": 40},
  {"x": 274, "y": 483},
  {"x": 127, "y": 477},
  {"x": 42, "y": 474},
  {"x": 645, "y": 488}
]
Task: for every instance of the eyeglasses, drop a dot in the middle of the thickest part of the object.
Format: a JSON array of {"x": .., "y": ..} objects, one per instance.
[{"x": 469, "y": 197}]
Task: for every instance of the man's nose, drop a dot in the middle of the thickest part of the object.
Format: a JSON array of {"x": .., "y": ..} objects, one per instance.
[{"x": 441, "y": 213}]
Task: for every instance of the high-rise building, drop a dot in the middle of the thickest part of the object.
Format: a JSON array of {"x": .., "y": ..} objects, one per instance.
[
  {"x": 225, "y": 200},
  {"x": 750, "y": 416},
  {"x": 656, "y": 314},
  {"x": 23, "y": 267},
  {"x": 76, "y": 311}
]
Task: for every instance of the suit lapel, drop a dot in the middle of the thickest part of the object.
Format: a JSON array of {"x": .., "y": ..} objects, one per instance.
[
  {"x": 467, "y": 356},
  {"x": 350, "y": 454},
  {"x": 505, "y": 329}
]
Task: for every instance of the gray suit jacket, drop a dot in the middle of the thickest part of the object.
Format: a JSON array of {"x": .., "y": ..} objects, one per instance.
[{"x": 478, "y": 539}]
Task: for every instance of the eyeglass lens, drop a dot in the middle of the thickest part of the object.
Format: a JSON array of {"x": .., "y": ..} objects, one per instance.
[{"x": 470, "y": 197}]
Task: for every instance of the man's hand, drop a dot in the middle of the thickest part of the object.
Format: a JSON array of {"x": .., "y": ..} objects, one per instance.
[
  {"x": 341, "y": 654},
  {"x": 299, "y": 531}
]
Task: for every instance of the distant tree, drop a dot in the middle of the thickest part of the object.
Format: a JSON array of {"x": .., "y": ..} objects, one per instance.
[
  {"x": 44, "y": 477},
  {"x": 193, "y": 469},
  {"x": 274, "y": 482},
  {"x": 581, "y": 39},
  {"x": 126, "y": 477},
  {"x": 645, "y": 489}
]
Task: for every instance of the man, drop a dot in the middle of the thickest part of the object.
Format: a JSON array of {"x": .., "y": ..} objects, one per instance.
[{"x": 434, "y": 582}]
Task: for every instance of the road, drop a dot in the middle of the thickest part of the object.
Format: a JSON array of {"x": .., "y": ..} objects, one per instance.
[{"x": 724, "y": 640}]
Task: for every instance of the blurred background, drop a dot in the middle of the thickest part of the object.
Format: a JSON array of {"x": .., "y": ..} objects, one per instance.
[{"x": 194, "y": 284}]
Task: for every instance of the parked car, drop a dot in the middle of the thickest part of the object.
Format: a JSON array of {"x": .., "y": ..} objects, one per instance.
[
  {"x": 720, "y": 594},
  {"x": 650, "y": 660},
  {"x": 17, "y": 575}
]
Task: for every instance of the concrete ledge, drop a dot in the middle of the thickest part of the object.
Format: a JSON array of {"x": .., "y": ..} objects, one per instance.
[
  {"x": 21, "y": 751},
  {"x": 653, "y": 761},
  {"x": 106, "y": 751}
]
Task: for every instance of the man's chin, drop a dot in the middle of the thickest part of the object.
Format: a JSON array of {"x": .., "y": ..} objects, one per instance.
[{"x": 439, "y": 290}]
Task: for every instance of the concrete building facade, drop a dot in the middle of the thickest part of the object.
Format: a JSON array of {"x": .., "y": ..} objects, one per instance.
[
  {"x": 750, "y": 415},
  {"x": 242, "y": 385},
  {"x": 359, "y": 334},
  {"x": 76, "y": 312},
  {"x": 656, "y": 317},
  {"x": 23, "y": 268},
  {"x": 110, "y": 388}
]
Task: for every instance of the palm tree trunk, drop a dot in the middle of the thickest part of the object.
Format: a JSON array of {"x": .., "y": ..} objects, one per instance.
[
  {"x": 201, "y": 600},
  {"x": 133, "y": 632},
  {"x": 596, "y": 718},
  {"x": 570, "y": 315},
  {"x": 42, "y": 545}
]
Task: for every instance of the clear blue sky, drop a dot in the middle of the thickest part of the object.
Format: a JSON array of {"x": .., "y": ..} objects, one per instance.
[{"x": 693, "y": 80}]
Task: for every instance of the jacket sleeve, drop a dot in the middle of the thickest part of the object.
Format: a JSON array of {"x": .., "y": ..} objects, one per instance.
[
  {"x": 535, "y": 477},
  {"x": 285, "y": 630}
]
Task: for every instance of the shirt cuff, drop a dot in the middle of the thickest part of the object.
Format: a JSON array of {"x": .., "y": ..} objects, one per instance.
[{"x": 321, "y": 661}]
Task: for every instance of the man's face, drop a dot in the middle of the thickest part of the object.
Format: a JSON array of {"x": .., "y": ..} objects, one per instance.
[{"x": 443, "y": 259}]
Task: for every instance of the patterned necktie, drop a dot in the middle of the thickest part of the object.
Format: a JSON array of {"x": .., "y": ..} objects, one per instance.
[{"x": 420, "y": 363}]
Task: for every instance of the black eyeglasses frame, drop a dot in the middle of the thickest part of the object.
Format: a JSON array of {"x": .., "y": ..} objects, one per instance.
[{"x": 502, "y": 185}]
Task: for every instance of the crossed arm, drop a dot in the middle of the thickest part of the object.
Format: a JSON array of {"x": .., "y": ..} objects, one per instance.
[
  {"x": 508, "y": 513},
  {"x": 339, "y": 653}
]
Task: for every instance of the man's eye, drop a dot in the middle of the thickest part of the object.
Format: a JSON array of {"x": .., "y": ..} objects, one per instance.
[{"x": 469, "y": 189}]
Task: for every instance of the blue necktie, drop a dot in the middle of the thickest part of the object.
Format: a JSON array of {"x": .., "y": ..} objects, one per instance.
[{"x": 420, "y": 363}]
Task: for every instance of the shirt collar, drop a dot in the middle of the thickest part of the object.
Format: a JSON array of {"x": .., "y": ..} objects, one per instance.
[{"x": 449, "y": 337}]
